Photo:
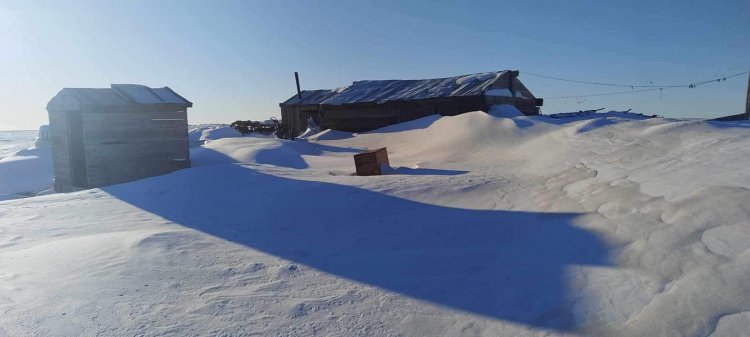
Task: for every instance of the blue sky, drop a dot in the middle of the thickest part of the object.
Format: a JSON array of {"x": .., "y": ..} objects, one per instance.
[{"x": 235, "y": 60}]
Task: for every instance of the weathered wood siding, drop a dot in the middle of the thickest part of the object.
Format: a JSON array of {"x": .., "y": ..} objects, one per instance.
[
  {"x": 142, "y": 144},
  {"x": 98, "y": 148},
  {"x": 527, "y": 104},
  {"x": 296, "y": 117},
  {"x": 58, "y": 133},
  {"x": 361, "y": 117}
]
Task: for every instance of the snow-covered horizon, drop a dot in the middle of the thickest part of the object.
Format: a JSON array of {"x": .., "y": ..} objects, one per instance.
[{"x": 496, "y": 224}]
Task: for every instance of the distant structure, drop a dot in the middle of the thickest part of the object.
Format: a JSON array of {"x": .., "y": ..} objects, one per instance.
[
  {"x": 42, "y": 136},
  {"x": 368, "y": 105},
  {"x": 113, "y": 135}
]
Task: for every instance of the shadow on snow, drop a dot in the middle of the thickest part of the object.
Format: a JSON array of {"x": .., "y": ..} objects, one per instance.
[{"x": 506, "y": 265}]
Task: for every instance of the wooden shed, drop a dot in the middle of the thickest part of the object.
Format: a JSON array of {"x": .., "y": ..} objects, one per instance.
[
  {"x": 107, "y": 136},
  {"x": 368, "y": 105}
]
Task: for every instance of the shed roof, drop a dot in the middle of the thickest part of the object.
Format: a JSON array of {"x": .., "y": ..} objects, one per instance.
[
  {"x": 380, "y": 91},
  {"x": 310, "y": 97},
  {"x": 117, "y": 95}
]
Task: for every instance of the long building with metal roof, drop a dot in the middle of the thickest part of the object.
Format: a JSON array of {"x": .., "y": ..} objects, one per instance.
[{"x": 368, "y": 105}]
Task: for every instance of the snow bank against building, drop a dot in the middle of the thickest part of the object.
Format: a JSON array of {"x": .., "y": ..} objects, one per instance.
[
  {"x": 199, "y": 134},
  {"x": 505, "y": 110}
]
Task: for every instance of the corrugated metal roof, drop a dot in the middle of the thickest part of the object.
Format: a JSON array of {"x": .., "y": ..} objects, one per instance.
[
  {"x": 91, "y": 96},
  {"x": 406, "y": 90},
  {"x": 145, "y": 95},
  {"x": 310, "y": 97},
  {"x": 380, "y": 91},
  {"x": 118, "y": 94}
]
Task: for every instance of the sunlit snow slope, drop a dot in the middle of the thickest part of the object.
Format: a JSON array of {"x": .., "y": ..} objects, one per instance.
[{"x": 606, "y": 225}]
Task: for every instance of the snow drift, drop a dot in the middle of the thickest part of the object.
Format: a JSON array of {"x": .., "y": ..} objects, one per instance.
[
  {"x": 498, "y": 225},
  {"x": 26, "y": 172}
]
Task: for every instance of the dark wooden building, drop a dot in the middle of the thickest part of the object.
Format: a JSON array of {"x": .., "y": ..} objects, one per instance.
[
  {"x": 113, "y": 135},
  {"x": 368, "y": 105}
]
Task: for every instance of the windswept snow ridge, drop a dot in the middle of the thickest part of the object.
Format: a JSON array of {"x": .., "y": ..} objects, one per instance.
[
  {"x": 26, "y": 173},
  {"x": 489, "y": 225}
]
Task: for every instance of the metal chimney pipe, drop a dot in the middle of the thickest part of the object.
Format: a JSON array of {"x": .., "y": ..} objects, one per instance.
[{"x": 299, "y": 92}]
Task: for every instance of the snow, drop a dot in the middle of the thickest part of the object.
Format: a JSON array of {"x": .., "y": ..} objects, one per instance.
[
  {"x": 200, "y": 134},
  {"x": 380, "y": 91},
  {"x": 26, "y": 172},
  {"x": 734, "y": 325},
  {"x": 496, "y": 224},
  {"x": 505, "y": 110},
  {"x": 476, "y": 77},
  {"x": 145, "y": 95},
  {"x": 14, "y": 141}
]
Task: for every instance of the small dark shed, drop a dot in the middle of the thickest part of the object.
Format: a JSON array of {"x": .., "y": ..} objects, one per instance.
[
  {"x": 113, "y": 135},
  {"x": 368, "y": 105}
]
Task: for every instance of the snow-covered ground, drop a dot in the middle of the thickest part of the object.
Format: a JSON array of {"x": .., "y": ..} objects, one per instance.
[
  {"x": 14, "y": 141},
  {"x": 200, "y": 134},
  {"x": 25, "y": 168},
  {"x": 600, "y": 225}
]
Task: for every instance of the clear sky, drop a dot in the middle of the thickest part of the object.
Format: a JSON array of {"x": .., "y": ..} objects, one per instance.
[{"x": 235, "y": 60}]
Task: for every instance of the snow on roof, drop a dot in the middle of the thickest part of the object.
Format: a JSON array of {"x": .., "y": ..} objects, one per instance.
[
  {"x": 145, "y": 95},
  {"x": 92, "y": 96},
  {"x": 380, "y": 91},
  {"x": 119, "y": 94},
  {"x": 311, "y": 97}
]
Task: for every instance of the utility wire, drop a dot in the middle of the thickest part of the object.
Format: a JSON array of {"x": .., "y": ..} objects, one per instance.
[
  {"x": 650, "y": 87},
  {"x": 688, "y": 85},
  {"x": 606, "y": 93}
]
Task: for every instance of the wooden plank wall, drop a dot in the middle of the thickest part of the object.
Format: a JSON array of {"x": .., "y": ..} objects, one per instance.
[
  {"x": 77, "y": 149},
  {"x": 58, "y": 133},
  {"x": 527, "y": 106},
  {"x": 370, "y": 116},
  {"x": 121, "y": 147},
  {"x": 297, "y": 118}
]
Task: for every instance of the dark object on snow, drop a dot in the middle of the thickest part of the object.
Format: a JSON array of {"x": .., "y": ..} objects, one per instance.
[
  {"x": 740, "y": 117},
  {"x": 371, "y": 163},
  {"x": 245, "y": 127},
  {"x": 368, "y": 105},
  {"x": 113, "y": 135},
  {"x": 576, "y": 114},
  {"x": 585, "y": 113}
]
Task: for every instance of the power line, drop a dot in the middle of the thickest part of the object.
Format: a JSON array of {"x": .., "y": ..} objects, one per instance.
[
  {"x": 650, "y": 87},
  {"x": 687, "y": 85},
  {"x": 607, "y": 93}
]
